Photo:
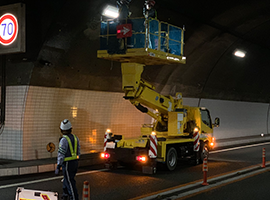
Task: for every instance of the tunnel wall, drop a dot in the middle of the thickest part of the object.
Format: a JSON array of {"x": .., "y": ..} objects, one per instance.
[
  {"x": 237, "y": 119},
  {"x": 34, "y": 115}
]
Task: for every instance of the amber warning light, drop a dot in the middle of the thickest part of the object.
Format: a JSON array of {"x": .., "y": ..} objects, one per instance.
[
  {"x": 141, "y": 158},
  {"x": 105, "y": 155},
  {"x": 213, "y": 142}
]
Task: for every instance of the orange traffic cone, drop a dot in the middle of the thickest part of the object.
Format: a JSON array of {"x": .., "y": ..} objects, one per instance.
[
  {"x": 205, "y": 169},
  {"x": 86, "y": 191},
  {"x": 263, "y": 158}
]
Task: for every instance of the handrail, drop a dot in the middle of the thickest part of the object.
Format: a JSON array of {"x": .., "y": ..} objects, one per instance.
[{"x": 164, "y": 37}]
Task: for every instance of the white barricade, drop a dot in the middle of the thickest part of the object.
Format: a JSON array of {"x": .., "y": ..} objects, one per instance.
[{"x": 25, "y": 194}]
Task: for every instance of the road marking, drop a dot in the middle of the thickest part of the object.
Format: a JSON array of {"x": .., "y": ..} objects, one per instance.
[
  {"x": 96, "y": 171},
  {"x": 203, "y": 188},
  {"x": 241, "y": 147},
  {"x": 48, "y": 179},
  {"x": 198, "y": 191}
]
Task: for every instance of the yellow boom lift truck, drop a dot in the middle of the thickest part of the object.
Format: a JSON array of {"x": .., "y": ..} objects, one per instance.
[{"x": 178, "y": 131}]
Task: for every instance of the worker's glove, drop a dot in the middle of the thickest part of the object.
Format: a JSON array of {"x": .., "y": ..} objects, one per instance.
[{"x": 57, "y": 170}]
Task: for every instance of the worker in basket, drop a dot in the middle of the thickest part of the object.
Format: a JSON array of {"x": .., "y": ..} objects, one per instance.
[{"x": 148, "y": 10}]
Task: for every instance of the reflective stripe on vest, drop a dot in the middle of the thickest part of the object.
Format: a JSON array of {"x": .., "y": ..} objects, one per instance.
[{"x": 74, "y": 155}]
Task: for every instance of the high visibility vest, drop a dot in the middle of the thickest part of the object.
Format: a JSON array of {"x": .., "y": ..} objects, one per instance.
[{"x": 73, "y": 152}]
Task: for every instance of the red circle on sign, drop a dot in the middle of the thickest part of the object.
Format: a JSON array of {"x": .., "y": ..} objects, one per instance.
[{"x": 15, "y": 32}]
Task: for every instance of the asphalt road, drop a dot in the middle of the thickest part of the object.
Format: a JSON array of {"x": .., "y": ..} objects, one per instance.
[
  {"x": 253, "y": 188},
  {"x": 122, "y": 184}
]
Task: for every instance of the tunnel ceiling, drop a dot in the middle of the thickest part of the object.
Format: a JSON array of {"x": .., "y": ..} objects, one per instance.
[{"x": 63, "y": 38}]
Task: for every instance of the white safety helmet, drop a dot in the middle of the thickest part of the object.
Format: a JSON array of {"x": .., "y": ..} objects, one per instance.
[{"x": 65, "y": 125}]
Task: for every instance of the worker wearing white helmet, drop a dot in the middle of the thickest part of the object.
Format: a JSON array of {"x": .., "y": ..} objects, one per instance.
[{"x": 68, "y": 155}]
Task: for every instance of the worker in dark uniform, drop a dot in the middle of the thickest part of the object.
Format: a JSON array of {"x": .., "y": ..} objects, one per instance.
[
  {"x": 68, "y": 155},
  {"x": 148, "y": 10},
  {"x": 123, "y": 6},
  {"x": 119, "y": 45}
]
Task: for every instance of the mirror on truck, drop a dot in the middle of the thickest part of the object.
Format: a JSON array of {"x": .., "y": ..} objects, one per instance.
[{"x": 217, "y": 121}]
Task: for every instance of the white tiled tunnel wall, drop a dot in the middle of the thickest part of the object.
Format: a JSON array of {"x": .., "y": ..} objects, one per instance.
[
  {"x": 33, "y": 116},
  {"x": 11, "y": 137},
  {"x": 90, "y": 113}
]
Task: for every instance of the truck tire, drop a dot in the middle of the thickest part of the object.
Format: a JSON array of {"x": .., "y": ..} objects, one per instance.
[
  {"x": 171, "y": 159},
  {"x": 204, "y": 151}
]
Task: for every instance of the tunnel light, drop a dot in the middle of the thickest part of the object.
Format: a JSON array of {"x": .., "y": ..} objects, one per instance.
[
  {"x": 239, "y": 53},
  {"x": 111, "y": 11}
]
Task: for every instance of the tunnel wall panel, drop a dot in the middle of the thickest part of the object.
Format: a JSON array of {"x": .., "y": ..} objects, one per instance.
[
  {"x": 33, "y": 116},
  {"x": 237, "y": 119},
  {"x": 90, "y": 113},
  {"x": 11, "y": 137}
]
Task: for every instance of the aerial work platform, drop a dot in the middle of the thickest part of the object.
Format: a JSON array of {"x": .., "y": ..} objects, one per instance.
[{"x": 148, "y": 42}]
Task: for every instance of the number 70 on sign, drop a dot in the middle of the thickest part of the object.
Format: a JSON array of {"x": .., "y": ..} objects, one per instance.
[{"x": 8, "y": 29}]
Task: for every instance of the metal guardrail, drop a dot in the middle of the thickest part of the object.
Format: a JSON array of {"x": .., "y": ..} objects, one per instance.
[{"x": 152, "y": 34}]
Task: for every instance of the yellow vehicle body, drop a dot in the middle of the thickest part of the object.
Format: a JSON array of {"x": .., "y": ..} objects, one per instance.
[
  {"x": 174, "y": 123},
  {"x": 174, "y": 135}
]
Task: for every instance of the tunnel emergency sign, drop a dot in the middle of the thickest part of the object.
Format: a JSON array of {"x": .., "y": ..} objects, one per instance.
[{"x": 12, "y": 28}]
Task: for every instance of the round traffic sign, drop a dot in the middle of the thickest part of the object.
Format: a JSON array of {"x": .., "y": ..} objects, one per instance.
[
  {"x": 8, "y": 29},
  {"x": 50, "y": 147}
]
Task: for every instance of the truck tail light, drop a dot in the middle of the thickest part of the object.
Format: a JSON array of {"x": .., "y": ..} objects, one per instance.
[
  {"x": 105, "y": 155},
  {"x": 141, "y": 158}
]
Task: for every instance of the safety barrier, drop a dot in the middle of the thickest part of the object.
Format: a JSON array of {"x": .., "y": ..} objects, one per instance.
[
  {"x": 263, "y": 158},
  {"x": 205, "y": 166},
  {"x": 153, "y": 146},
  {"x": 105, "y": 141},
  {"x": 205, "y": 170},
  {"x": 86, "y": 191},
  {"x": 196, "y": 144},
  {"x": 153, "y": 34}
]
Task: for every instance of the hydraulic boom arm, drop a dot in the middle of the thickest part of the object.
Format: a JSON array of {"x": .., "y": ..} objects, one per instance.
[{"x": 141, "y": 93}]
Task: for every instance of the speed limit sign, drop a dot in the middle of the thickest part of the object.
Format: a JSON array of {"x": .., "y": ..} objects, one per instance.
[
  {"x": 12, "y": 28},
  {"x": 8, "y": 29}
]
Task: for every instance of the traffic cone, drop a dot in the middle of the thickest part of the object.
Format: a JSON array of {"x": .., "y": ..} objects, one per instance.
[
  {"x": 86, "y": 191},
  {"x": 263, "y": 158},
  {"x": 205, "y": 169}
]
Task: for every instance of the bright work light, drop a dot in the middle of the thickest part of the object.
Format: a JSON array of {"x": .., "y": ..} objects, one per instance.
[
  {"x": 239, "y": 53},
  {"x": 111, "y": 11}
]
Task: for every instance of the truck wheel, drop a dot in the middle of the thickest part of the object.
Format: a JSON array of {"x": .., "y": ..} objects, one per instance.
[
  {"x": 204, "y": 151},
  {"x": 171, "y": 159}
]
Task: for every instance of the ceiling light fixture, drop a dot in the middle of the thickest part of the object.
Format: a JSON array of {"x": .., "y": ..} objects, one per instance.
[
  {"x": 111, "y": 11},
  {"x": 239, "y": 53}
]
